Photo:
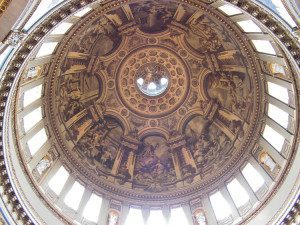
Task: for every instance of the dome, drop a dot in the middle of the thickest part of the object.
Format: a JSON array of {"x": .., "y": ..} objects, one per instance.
[{"x": 137, "y": 111}]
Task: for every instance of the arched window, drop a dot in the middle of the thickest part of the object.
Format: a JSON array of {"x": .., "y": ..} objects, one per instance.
[
  {"x": 134, "y": 217},
  {"x": 92, "y": 209},
  {"x": 32, "y": 94},
  {"x": 156, "y": 217},
  {"x": 74, "y": 196},
  {"x": 220, "y": 206},
  {"x": 178, "y": 217},
  {"x": 238, "y": 193},
  {"x": 255, "y": 180},
  {"x": 32, "y": 118},
  {"x": 37, "y": 141},
  {"x": 273, "y": 137},
  {"x": 59, "y": 179}
]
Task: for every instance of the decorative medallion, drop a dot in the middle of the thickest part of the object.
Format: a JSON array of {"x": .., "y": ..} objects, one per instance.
[{"x": 152, "y": 81}]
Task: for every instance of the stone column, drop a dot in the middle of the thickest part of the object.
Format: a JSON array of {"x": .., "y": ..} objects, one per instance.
[
  {"x": 52, "y": 171},
  {"x": 268, "y": 180},
  {"x": 210, "y": 215},
  {"x": 196, "y": 207},
  {"x": 166, "y": 213},
  {"x": 227, "y": 196},
  {"x": 146, "y": 214},
  {"x": 252, "y": 197},
  {"x": 188, "y": 214},
  {"x": 36, "y": 158},
  {"x": 84, "y": 200},
  {"x": 124, "y": 214},
  {"x": 66, "y": 188},
  {"x": 104, "y": 210}
]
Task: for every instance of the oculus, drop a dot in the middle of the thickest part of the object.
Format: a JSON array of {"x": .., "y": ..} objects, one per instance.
[{"x": 152, "y": 79}]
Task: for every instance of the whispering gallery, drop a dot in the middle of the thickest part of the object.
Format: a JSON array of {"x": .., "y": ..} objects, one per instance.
[{"x": 156, "y": 112}]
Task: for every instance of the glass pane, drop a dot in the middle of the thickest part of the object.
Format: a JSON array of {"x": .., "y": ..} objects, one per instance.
[
  {"x": 4, "y": 55},
  {"x": 274, "y": 138},
  {"x": 37, "y": 141},
  {"x": 62, "y": 28},
  {"x": 278, "y": 115},
  {"x": 156, "y": 217},
  {"x": 46, "y": 49},
  {"x": 178, "y": 217},
  {"x": 74, "y": 196},
  {"x": 254, "y": 179},
  {"x": 220, "y": 206},
  {"x": 42, "y": 9},
  {"x": 279, "y": 92},
  {"x": 230, "y": 10},
  {"x": 249, "y": 26},
  {"x": 81, "y": 13},
  {"x": 238, "y": 193},
  {"x": 92, "y": 208},
  {"x": 58, "y": 180},
  {"x": 277, "y": 7},
  {"x": 264, "y": 46},
  {"x": 32, "y": 94},
  {"x": 134, "y": 217},
  {"x": 32, "y": 118}
]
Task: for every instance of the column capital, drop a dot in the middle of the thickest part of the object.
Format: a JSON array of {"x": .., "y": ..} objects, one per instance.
[{"x": 228, "y": 198}]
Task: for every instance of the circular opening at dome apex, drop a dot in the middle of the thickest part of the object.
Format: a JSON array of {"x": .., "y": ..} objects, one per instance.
[{"x": 152, "y": 79}]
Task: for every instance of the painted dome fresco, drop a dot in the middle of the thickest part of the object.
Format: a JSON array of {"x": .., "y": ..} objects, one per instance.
[
  {"x": 153, "y": 105},
  {"x": 154, "y": 99}
]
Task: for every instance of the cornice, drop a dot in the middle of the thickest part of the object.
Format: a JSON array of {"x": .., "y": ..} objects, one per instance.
[
  {"x": 294, "y": 214},
  {"x": 279, "y": 30}
]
